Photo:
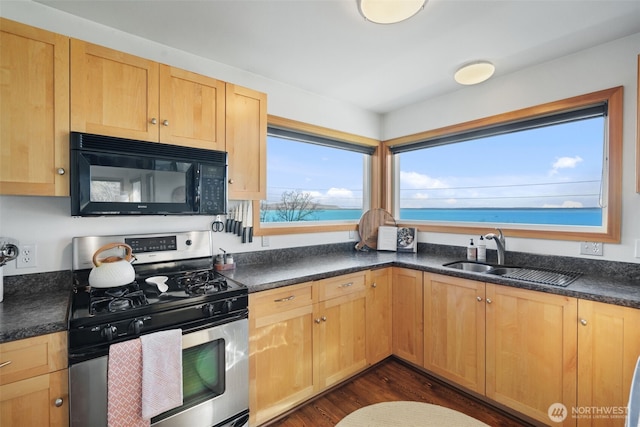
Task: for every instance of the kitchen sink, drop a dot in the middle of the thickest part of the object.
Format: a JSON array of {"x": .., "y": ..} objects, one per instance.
[
  {"x": 470, "y": 266},
  {"x": 535, "y": 275}
]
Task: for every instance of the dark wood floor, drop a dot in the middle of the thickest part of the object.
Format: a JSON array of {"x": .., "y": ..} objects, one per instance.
[{"x": 389, "y": 381}]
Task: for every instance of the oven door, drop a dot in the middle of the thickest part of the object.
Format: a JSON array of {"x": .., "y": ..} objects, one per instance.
[{"x": 215, "y": 365}]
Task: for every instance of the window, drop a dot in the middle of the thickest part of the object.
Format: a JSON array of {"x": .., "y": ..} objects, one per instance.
[
  {"x": 314, "y": 180},
  {"x": 553, "y": 168}
]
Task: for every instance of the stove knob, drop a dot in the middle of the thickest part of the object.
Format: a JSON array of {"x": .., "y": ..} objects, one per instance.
[
  {"x": 227, "y": 306},
  {"x": 208, "y": 309},
  {"x": 109, "y": 332},
  {"x": 136, "y": 325}
]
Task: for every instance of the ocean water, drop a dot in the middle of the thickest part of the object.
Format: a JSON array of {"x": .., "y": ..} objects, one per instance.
[{"x": 550, "y": 216}]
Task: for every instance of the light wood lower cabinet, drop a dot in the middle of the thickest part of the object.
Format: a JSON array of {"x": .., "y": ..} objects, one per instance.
[
  {"x": 407, "y": 315},
  {"x": 379, "y": 328},
  {"x": 454, "y": 324},
  {"x": 517, "y": 347},
  {"x": 34, "y": 382},
  {"x": 531, "y": 350},
  {"x": 303, "y": 339},
  {"x": 608, "y": 348}
]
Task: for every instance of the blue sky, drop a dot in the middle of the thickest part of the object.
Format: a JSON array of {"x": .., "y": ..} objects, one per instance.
[
  {"x": 546, "y": 167},
  {"x": 333, "y": 177},
  {"x": 558, "y": 166}
]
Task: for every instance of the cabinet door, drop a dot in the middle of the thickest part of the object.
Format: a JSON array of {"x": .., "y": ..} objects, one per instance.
[
  {"x": 113, "y": 93},
  {"x": 608, "y": 348},
  {"x": 378, "y": 315},
  {"x": 531, "y": 340},
  {"x": 454, "y": 325},
  {"x": 280, "y": 350},
  {"x": 339, "y": 338},
  {"x": 36, "y": 402},
  {"x": 246, "y": 143},
  {"x": 34, "y": 100},
  {"x": 407, "y": 315},
  {"x": 192, "y": 109}
]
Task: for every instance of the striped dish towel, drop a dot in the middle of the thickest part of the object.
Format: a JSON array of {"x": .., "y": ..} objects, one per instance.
[
  {"x": 161, "y": 372},
  {"x": 124, "y": 385}
]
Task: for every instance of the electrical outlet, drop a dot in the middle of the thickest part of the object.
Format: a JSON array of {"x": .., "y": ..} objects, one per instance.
[
  {"x": 591, "y": 248},
  {"x": 352, "y": 234},
  {"x": 265, "y": 241},
  {"x": 637, "y": 254},
  {"x": 27, "y": 258}
]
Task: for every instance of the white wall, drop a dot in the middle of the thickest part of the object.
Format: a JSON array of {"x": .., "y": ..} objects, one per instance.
[
  {"x": 601, "y": 67},
  {"x": 45, "y": 221}
]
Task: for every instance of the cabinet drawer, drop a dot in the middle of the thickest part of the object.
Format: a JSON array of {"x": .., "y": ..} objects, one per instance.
[
  {"x": 32, "y": 356},
  {"x": 341, "y": 285},
  {"x": 275, "y": 301}
]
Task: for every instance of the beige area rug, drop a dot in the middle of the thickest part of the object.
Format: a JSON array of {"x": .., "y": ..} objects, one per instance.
[{"x": 408, "y": 414}]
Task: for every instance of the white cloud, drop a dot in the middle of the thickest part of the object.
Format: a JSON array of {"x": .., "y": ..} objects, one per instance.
[
  {"x": 420, "y": 181},
  {"x": 565, "y": 163}
]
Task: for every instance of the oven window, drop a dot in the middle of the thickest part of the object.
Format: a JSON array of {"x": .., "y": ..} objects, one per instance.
[{"x": 203, "y": 372}]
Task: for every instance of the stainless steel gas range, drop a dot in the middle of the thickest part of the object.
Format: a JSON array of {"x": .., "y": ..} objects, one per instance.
[{"x": 211, "y": 311}]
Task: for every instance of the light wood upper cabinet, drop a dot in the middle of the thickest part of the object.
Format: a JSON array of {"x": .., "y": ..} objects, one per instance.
[
  {"x": 408, "y": 335},
  {"x": 122, "y": 95},
  {"x": 379, "y": 330},
  {"x": 531, "y": 355},
  {"x": 34, "y": 382},
  {"x": 608, "y": 348},
  {"x": 34, "y": 100},
  {"x": 454, "y": 324},
  {"x": 246, "y": 143},
  {"x": 113, "y": 93},
  {"x": 192, "y": 109}
]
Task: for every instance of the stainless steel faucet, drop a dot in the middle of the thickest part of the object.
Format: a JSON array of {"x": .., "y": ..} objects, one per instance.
[{"x": 500, "y": 244}]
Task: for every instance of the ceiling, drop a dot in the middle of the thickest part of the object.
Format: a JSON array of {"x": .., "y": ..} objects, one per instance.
[{"x": 326, "y": 47}]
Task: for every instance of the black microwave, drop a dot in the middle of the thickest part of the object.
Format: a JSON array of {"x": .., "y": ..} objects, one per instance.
[{"x": 116, "y": 176}]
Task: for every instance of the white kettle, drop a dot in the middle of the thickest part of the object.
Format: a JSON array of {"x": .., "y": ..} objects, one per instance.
[{"x": 112, "y": 271}]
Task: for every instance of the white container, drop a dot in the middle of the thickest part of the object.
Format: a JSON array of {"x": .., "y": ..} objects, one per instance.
[
  {"x": 482, "y": 250},
  {"x": 472, "y": 252}
]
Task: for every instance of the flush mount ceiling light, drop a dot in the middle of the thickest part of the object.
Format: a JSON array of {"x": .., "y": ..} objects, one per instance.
[
  {"x": 389, "y": 11},
  {"x": 474, "y": 73}
]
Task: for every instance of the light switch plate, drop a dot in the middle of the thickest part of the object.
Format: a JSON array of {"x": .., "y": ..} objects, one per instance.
[{"x": 637, "y": 254}]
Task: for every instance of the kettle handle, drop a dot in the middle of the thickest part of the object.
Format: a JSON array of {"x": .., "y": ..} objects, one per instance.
[{"x": 128, "y": 254}]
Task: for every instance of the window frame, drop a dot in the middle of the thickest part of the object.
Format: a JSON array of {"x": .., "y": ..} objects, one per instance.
[
  {"x": 610, "y": 231},
  {"x": 374, "y": 195}
]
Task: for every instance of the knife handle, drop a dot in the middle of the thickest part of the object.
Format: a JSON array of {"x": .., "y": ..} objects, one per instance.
[{"x": 250, "y": 234}]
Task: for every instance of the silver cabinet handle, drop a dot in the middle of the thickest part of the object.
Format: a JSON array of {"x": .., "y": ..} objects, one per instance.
[
  {"x": 3, "y": 364},
  {"x": 165, "y": 123},
  {"x": 489, "y": 301},
  {"x": 61, "y": 171},
  {"x": 285, "y": 299},
  {"x": 374, "y": 285},
  {"x": 230, "y": 181},
  {"x": 58, "y": 402},
  {"x": 583, "y": 322},
  {"x": 479, "y": 298},
  {"x": 346, "y": 285},
  {"x": 316, "y": 320},
  {"x": 154, "y": 121},
  {"x": 323, "y": 318}
]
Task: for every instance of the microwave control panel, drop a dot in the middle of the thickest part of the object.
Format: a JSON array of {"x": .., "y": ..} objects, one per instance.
[{"x": 213, "y": 190}]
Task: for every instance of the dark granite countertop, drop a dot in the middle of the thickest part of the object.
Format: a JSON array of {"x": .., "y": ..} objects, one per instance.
[
  {"x": 609, "y": 282},
  {"x": 37, "y": 304},
  {"x": 34, "y": 304}
]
